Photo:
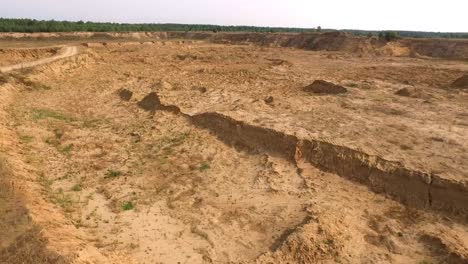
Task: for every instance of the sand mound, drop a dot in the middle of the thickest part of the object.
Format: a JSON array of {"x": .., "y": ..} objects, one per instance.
[
  {"x": 461, "y": 82},
  {"x": 324, "y": 87},
  {"x": 311, "y": 243}
]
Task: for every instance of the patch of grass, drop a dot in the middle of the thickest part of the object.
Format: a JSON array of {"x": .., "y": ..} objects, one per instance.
[
  {"x": 170, "y": 142},
  {"x": 112, "y": 173},
  {"x": 45, "y": 183},
  {"x": 67, "y": 149},
  {"x": 26, "y": 138},
  {"x": 59, "y": 198},
  {"x": 77, "y": 187},
  {"x": 63, "y": 200},
  {"x": 204, "y": 166},
  {"x": 352, "y": 85},
  {"x": 92, "y": 123},
  {"x": 126, "y": 206},
  {"x": 39, "y": 114},
  {"x": 425, "y": 262},
  {"x": 39, "y": 87}
]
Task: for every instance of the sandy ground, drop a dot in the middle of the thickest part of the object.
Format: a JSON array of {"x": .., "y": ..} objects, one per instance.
[{"x": 130, "y": 186}]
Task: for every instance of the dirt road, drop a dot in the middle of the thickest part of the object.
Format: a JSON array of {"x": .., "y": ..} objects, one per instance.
[{"x": 64, "y": 52}]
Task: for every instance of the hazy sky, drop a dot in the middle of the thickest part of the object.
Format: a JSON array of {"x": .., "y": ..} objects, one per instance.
[{"x": 425, "y": 15}]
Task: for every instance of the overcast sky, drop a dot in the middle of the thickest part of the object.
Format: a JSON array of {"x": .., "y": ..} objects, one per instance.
[{"x": 423, "y": 15}]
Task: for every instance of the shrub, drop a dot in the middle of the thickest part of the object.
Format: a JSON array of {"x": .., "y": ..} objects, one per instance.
[
  {"x": 112, "y": 173},
  {"x": 389, "y": 35},
  {"x": 77, "y": 187},
  {"x": 126, "y": 206},
  {"x": 204, "y": 166}
]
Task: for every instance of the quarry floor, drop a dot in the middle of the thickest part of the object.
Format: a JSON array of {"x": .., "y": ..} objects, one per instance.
[{"x": 92, "y": 178}]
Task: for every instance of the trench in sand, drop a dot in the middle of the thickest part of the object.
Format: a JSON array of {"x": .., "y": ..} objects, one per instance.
[{"x": 410, "y": 187}]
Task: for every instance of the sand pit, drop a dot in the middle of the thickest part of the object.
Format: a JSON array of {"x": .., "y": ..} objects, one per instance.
[{"x": 206, "y": 153}]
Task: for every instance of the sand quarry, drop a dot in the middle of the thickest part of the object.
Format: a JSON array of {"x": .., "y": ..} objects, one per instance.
[{"x": 232, "y": 148}]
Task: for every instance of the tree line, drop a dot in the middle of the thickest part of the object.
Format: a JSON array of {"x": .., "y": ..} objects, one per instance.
[{"x": 32, "y": 25}]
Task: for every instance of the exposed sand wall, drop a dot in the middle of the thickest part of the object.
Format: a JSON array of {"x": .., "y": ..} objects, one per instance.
[
  {"x": 331, "y": 41},
  {"x": 414, "y": 188},
  {"x": 410, "y": 187}
]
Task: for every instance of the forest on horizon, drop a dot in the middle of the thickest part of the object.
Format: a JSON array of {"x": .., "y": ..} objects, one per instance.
[{"x": 32, "y": 25}]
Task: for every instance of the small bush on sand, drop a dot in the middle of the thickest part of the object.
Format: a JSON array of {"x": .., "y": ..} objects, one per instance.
[
  {"x": 204, "y": 166},
  {"x": 77, "y": 187},
  {"x": 126, "y": 206},
  {"x": 113, "y": 173}
]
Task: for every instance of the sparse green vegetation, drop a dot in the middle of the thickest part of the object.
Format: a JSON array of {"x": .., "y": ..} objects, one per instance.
[
  {"x": 38, "y": 114},
  {"x": 45, "y": 183},
  {"x": 112, "y": 173},
  {"x": 39, "y": 86},
  {"x": 60, "y": 198},
  {"x": 425, "y": 262},
  {"x": 26, "y": 138},
  {"x": 128, "y": 205},
  {"x": 166, "y": 144},
  {"x": 176, "y": 140},
  {"x": 204, "y": 166},
  {"x": 67, "y": 149},
  {"x": 64, "y": 200},
  {"x": 93, "y": 123},
  {"x": 77, "y": 187}
]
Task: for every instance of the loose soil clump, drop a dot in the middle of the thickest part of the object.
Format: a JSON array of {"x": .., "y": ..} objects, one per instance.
[
  {"x": 403, "y": 92},
  {"x": 324, "y": 87},
  {"x": 125, "y": 94},
  {"x": 461, "y": 82}
]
